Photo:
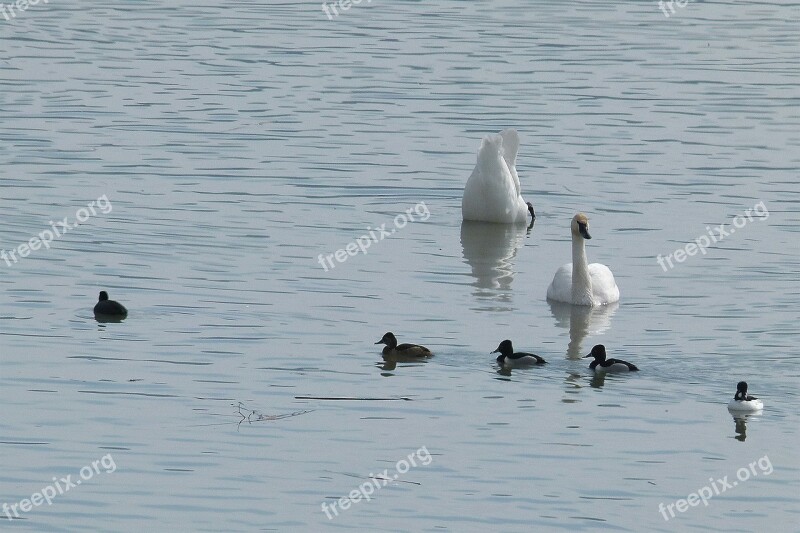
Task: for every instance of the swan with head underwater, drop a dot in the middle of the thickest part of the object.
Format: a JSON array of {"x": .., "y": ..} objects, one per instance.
[
  {"x": 580, "y": 283},
  {"x": 742, "y": 402},
  {"x": 493, "y": 192},
  {"x": 601, "y": 364}
]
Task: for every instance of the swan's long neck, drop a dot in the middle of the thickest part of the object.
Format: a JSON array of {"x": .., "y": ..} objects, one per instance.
[{"x": 581, "y": 280}]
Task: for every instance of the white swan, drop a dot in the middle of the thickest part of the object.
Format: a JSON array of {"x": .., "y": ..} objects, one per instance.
[
  {"x": 585, "y": 284},
  {"x": 493, "y": 191}
]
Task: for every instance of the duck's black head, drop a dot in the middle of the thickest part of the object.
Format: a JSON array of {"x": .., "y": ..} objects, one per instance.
[
  {"x": 598, "y": 352},
  {"x": 389, "y": 340},
  {"x": 103, "y": 296},
  {"x": 530, "y": 210},
  {"x": 741, "y": 392},
  {"x": 505, "y": 349}
]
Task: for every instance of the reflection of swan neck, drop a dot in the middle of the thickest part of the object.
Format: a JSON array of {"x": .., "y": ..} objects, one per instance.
[
  {"x": 582, "y": 321},
  {"x": 581, "y": 280}
]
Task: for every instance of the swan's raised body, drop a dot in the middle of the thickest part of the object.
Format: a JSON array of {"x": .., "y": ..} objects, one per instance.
[
  {"x": 580, "y": 283},
  {"x": 493, "y": 192}
]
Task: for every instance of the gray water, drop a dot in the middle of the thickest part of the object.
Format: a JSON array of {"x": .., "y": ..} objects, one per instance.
[{"x": 230, "y": 144}]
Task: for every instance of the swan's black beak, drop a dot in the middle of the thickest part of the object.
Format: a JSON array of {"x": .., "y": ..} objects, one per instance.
[
  {"x": 379, "y": 342},
  {"x": 585, "y": 356},
  {"x": 584, "y": 231},
  {"x": 531, "y": 211}
]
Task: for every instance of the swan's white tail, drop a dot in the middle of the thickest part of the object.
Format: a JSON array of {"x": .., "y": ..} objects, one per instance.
[
  {"x": 510, "y": 149},
  {"x": 492, "y": 193}
]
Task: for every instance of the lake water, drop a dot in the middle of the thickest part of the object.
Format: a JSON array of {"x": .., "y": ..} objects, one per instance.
[{"x": 227, "y": 145}]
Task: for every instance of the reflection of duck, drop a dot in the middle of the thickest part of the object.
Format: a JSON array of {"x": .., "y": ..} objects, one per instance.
[
  {"x": 744, "y": 403},
  {"x": 504, "y": 371},
  {"x": 573, "y": 385},
  {"x": 580, "y": 283},
  {"x": 598, "y": 380},
  {"x": 387, "y": 366},
  {"x": 490, "y": 249},
  {"x": 493, "y": 191},
  {"x": 389, "y": 363},
  {"x": 740, "y": 423},
  {"x": 582, "y": 321}
]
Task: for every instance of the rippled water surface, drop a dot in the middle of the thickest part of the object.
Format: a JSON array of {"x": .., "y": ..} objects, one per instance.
[{"x": 227, "y": 145}]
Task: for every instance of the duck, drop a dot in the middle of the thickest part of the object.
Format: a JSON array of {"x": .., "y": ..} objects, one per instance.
[
  {"x": 108, "y": 307},
  {"x": 508, "y": 358},
  {"x": 493, "y": 192},
  {"x": 392, "y": 349},
  {"x": 742, "y": 402},
  {"x": 579, "y": 283},
  {"x": 601, "y": 364}
]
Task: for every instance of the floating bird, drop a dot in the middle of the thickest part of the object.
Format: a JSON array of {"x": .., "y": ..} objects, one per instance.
[
  {"x": 493, "y": 192},
  {"x": 392, "y": 349},
  {"x": 508, "y": 358},
  {"x": 601, "y": 364},
  {"x": 109, "y": 308},
  {"x": 578, "y": 282},
  {"x": 742, "y": 402}
]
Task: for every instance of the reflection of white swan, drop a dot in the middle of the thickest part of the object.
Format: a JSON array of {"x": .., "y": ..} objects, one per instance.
[
  {"x": 582, "y": 321},
  {"x": 489, "y": 249},
  {"x": 578, "y": 282},
  {"x": 493, "y": 192}
]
